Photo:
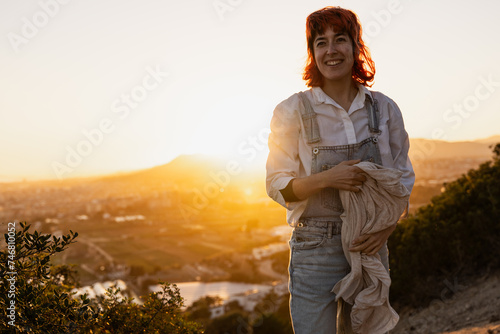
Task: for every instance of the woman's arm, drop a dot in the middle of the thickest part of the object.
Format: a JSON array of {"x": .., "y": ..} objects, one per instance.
[
  {"x": 399, "y": 143},
  {"x": 344, "y": 176},
  {"x": 370, "y": 244},
  {"x": 283, "y": 163}
]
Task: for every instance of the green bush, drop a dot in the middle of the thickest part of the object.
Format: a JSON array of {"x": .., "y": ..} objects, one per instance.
[
  {"x": 229, "y": 323},
  {"x": 457, "y": 235},
  {"x": 36, "y": 296}
]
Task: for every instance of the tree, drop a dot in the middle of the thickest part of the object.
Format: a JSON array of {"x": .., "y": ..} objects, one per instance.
[
  {"x": 36, "y": 296},
  {"x": 199, "y": 311},
  {"x": 271, "y": 324},
  {"x": 231, "y": 323},
  {"x": 274, "y": 315}
]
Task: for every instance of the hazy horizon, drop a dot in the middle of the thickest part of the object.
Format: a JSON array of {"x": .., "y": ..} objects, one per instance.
[{"x": 259, "y": 160}]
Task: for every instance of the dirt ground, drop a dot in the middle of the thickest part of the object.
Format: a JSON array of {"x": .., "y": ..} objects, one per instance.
[{"x": 474, "y": 309}]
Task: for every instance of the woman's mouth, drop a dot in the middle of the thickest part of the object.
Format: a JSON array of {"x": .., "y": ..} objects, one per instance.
[{"x": 333, "y": 62}]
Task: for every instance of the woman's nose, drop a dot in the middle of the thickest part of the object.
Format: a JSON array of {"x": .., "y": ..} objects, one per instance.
[{"x": 331, "y": 49}]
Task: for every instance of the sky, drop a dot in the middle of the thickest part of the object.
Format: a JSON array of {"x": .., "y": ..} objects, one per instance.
[{"x": 101, "y": 86}]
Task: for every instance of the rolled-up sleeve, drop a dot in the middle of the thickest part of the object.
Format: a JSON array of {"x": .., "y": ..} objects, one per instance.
[
  {"x": 399, "y": 142},
  {"x": 283, "y": 163}
]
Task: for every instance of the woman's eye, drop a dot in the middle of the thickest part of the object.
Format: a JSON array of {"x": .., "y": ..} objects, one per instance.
[
  {"x": 341, "y": 39},
  {"x": 320, "y": 43}
]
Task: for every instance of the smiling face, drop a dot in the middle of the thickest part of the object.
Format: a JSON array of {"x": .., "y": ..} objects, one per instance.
[{"x": 333, "y": 54}]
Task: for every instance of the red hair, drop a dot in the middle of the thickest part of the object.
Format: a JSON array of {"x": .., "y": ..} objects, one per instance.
[{"x": 340, "y": 20}]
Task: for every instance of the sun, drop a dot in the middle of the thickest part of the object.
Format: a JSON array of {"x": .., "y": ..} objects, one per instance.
[{"x": 248, "y": 191}]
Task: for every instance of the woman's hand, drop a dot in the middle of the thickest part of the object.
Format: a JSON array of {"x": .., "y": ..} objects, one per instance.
[
  {"x": 370, "y": 244},
  {"x": 345, "y": 176}
]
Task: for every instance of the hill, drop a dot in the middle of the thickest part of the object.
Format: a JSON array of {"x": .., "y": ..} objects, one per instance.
[
  {"x": 183, "y": 169},
  {"x": 445, "y": 269},
  {"x": 455, "y": 235},
  {"x": 190, "y": 171},
  {"x": 435, "y": 162},
  {"x": 490, "y": 140},
  {"x": 196, "y": 169},
  {"x": 422, "y": 149},
  {"x": 473, "y": 309}
]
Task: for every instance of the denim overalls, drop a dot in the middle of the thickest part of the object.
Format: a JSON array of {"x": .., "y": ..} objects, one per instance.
[{"x": 317, "y": 260}]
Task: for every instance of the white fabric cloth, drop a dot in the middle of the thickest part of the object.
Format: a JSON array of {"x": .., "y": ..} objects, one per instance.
[
  {"x": 290, "y": 156},
  {"x": 379, "y": 204}
]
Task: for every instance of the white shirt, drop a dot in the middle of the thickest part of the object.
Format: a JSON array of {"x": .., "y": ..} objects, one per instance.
[{"x": 290, "y": 156}]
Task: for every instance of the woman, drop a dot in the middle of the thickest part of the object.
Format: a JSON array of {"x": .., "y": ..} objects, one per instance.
[{"x": 317, "y": 137}]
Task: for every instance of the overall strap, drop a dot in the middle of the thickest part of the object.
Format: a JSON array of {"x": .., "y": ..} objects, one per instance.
[
  {"x": 309, "y": 119},
  {"x": 373, "y": 114}
]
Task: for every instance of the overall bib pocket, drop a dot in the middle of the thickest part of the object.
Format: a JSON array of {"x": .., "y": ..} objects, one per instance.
[{"x": 330, "y": 197}]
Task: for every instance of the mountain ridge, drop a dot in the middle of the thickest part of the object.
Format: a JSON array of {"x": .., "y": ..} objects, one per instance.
[{"x": 195, "y": 167}]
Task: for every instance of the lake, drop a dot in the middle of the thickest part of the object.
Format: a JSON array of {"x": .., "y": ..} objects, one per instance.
[{"x": 192, "y": 291}]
